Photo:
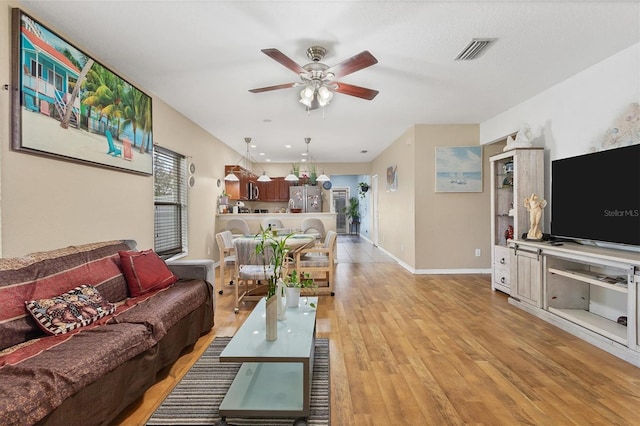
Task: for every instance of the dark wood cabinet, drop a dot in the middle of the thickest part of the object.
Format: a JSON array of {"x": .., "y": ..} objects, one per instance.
[
  {"x": 239, "y": 190},
  {"x": 275, "y": 191}
]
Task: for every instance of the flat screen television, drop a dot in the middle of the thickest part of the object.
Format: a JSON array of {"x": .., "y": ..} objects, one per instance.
[{"x": 596, "y": 197}]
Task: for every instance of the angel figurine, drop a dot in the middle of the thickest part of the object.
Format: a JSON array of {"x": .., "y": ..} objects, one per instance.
[{"x": 534, "y": 205}]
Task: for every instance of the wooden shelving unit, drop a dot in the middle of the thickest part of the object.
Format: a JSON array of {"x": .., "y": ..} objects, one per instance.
[{"x": 515, "y": 175}]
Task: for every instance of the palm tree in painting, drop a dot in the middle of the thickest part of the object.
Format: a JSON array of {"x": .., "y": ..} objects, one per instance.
[{"x": 76, "y": 90}]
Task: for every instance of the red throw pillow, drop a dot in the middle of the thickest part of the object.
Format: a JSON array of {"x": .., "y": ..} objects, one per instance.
[{"x": 145, "y": 271}]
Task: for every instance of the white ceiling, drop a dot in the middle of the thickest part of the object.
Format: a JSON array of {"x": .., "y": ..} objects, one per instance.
[{"x": 202, "y": 57}]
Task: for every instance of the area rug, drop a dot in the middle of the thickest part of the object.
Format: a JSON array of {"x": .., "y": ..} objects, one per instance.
[{"x": 195, "y": 400}]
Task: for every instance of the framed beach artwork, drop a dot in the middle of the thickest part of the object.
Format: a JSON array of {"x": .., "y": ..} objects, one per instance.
[
  {"x": 459, "y": 169},
  {"x": 68, "y": 106}
]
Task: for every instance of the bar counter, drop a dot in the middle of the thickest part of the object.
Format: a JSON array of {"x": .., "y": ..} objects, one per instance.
[{"x": 289, "y": 220}]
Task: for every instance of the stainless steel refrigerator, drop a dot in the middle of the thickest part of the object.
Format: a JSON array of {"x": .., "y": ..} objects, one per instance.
[{"x": 307, "y": 198}]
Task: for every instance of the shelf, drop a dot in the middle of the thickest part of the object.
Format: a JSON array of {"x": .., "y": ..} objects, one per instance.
[
  {"x": 595, "y": 323},
  {"x": 588, "y": 277}
]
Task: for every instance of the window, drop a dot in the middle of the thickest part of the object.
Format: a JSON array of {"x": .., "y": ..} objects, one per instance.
[{"x": 170, "y": 199}]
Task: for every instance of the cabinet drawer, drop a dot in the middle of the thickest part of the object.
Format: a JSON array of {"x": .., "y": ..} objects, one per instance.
[
  {"x": 501, "y": 256},
  {"x": 501, "y": 274}
]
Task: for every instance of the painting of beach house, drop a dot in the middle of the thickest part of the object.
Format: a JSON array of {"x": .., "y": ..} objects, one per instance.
[
  {"x": 458, "y": 169},
  {"x": 71, "y": 107}
]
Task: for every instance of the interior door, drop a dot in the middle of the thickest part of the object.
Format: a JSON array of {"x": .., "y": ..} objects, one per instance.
[{"x": 340, "y": 197}]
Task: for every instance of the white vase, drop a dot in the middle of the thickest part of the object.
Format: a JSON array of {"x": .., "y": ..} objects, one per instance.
[
  {"x": 282, "y": 313},
  {"x": 293, "y": 297},
  {"x": 271, "y": 318}
]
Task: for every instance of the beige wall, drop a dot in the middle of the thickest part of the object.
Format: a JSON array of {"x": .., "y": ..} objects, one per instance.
[
  {"x": 47, "y": 203},
  {"x": 396, "y": 209},
  {"x": 425, "y": 230}
]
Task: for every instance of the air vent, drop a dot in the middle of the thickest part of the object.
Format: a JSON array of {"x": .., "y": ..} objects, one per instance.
[{"x": 474, "y": 49}]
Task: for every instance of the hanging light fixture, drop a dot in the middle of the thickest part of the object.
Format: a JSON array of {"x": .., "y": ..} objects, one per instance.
[
  {"x": 309, "y": 159},
  {"x": 231, "y": 177},
  {"x": 323, "y": 177},
  {"x": 291, "y": 178},
  {"x": 264, "y": 178}
]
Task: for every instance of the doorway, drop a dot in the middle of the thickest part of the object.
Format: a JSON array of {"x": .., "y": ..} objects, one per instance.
[{"x": 340, "y": 196}]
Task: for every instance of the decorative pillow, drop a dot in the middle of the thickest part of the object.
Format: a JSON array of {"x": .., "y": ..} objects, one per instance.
[
  {"x": 73, "y": 309},
  {"x": 145, "y": 271}
]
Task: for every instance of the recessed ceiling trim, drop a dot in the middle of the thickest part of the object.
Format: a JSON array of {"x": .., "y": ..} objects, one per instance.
[{"x": 474, "y": 49}]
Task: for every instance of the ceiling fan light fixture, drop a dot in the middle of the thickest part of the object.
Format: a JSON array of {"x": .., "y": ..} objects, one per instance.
[{"x": 324, "y": 96}]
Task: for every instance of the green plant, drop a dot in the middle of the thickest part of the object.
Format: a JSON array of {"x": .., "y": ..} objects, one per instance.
[
  {"x": 363, "y": 188},
  {"x": 301, "y": 281},
  {"x": 352, "y": 211},
  {"x": 278, "y": 256},
  {"x": 295, "y": 169}
]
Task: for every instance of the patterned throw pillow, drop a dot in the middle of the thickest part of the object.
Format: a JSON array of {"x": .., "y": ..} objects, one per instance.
[
  {"x": 73, "y": 309},
  {"x": 145, "y": 271}
]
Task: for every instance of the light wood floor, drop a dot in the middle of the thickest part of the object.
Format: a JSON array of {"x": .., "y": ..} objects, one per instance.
[{"x": 439, "y": 350}]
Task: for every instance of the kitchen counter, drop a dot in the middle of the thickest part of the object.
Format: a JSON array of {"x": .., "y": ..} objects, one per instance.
[{"x": 289, "y": 220}]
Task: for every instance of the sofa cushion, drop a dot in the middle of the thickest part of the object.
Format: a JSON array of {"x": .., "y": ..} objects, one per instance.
[
  {"x": 145, "y": 271},
  {"x": 68, "y": 311},
  {"x": 47, "y": 274}
]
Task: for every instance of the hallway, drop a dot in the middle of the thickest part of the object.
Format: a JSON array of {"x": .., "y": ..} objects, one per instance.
[{"x": 355, "y": 249}]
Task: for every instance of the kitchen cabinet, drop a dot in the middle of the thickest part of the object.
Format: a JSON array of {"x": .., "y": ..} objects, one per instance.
[{"x": 240, "y": 190}]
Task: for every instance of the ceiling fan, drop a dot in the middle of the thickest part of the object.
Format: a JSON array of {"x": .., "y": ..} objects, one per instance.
[{"x": 318, "y": 79}]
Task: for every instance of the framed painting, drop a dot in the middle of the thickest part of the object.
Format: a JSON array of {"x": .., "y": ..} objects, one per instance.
[
  {"x": 392, "y": 178},
  {"x": 458, "y": 169},
  {"x": 66, "y": 105}
]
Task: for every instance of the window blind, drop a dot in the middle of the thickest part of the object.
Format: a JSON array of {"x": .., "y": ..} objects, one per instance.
[{"x": 170, "y": 199}]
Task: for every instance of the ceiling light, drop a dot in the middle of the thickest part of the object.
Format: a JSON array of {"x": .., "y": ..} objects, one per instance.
[
  {"x": 291, "y": 178},
  {"x": 231, "y": 177},
  {"x": 264, "y": 178},
  {"x": 323, "y": 177}
]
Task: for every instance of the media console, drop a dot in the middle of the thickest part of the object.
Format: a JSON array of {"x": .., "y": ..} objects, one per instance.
[{"x": 590, "y": 292}]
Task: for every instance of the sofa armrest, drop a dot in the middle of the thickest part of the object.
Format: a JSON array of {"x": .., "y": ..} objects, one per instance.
[{"x": 194, "y": 269}]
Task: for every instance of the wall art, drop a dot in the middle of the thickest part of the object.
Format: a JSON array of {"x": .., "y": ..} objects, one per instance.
[
  {"x": 459, "y": 169},
  {"x": 66, "y": 105}
]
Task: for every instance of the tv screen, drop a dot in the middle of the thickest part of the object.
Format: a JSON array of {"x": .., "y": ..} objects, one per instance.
[{"x": 596, "y": 196}]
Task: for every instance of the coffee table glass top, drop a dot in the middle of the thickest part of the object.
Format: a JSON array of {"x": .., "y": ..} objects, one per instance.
[{"x": 295, "y": 335}]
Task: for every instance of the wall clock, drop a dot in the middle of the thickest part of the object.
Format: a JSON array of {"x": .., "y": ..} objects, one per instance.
[{"x": 326, "y": 184}]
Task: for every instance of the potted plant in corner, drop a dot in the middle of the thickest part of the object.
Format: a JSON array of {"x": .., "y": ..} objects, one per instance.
[{"x": 352, "y": 211}]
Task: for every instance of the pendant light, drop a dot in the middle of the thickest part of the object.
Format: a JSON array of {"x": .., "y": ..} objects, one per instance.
[{"x": 264, "y": 178}]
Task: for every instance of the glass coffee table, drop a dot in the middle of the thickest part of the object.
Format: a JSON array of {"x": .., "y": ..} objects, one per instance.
[{"x": 275, "y": 377}]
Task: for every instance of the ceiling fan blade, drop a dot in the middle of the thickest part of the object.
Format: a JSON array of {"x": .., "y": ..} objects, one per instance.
[
  {"x": 357, "y": 91},
  {"x": 353, "y": 64},
  {"x": 269, "y": 88},
  {"x": 278, "y": 56}
]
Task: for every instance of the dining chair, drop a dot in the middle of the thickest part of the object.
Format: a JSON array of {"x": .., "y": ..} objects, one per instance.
[
  {"x": 271, "y": 222},
  {"x": 252, "y": 270},
  {"x": 313, "y": 226},
  {"x": 239, "y": 225},
  {"x": 227, "y": 256},
  {"x": 319, "y": 259}
]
